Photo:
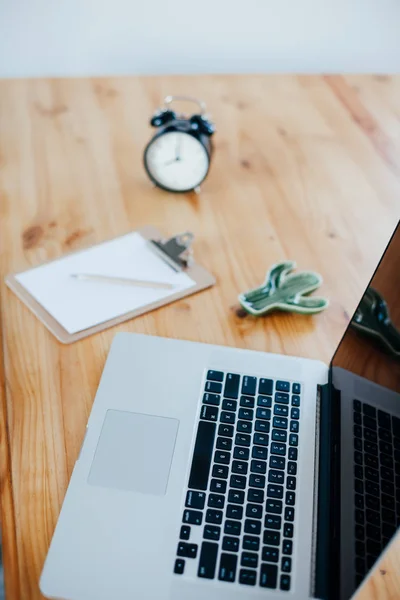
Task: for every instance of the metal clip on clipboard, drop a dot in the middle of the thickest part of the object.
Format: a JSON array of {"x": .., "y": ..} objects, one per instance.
[{"x": 177, "y": 252}]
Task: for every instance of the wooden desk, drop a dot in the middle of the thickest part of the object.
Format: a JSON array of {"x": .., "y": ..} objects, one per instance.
[{"x": 305, "y": 168}]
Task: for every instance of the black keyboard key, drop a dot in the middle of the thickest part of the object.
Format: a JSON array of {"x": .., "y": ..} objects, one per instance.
[
  {"x": 273, "y": 506},
  {"x": 187, "y": 550},
  {"x": 263, "y": 413},
  {"x": 179, "y": 566},
  {"x": 371, "y": 474},
  {"x": 386, "y": 461},
  {"x": 388, "y": 530},
  {"x": 236, "y": 497},
  {"x": 224, "y": 443},
  {"x": 280, "y": 422},
  {"x": 357, "y": 430},
  {"x": 247, "y": 401},
  {"x": 387, "y": 487},
  {"x": 232, "y": 527},
  {"x": 287, "y": 547},
  {"x": 244, "y": 427},
  {"x": 357, "y": 418},
  {"x": 227, "y": 417},
  {"x": 202, "y": 454},
  {"x": 278, "y": 448},
  {"x": 249, "y": 385},
  {"x": 251, "y": 542},
  {"x": 292, "y": 453},
  {"x": 359, "y": 501},
  {"x": 271, "y": 537},
  {"x": 360, "y": 532},
  {"x": 255, "y": 495},
  {"x": 234, "y": 511},
  {"x": 291, "y": 483},
  {"x": 229, "y": 405},
  {"x": 282, "y": 386},
  {"x": 227, "y": 567},
  {"x": 370, "y": 435},
  {"x": 358, "y": 458},
  {"x": 389, "y": 516},
  {"x": 294, "y": 426},
  {"x": 261, "y": 439},
  {"x": 230, "y": 544},
  {"x": 359, "y": 486},
  {"x": 249, "y": 559},
  {"x": 286, "y": 565},
  {"x": 241, "y": 453},
  {"x": 216, "y": 501},
  {"x": 259, "y": 452},
  {"x": 277, "y": 462},
  {"x": 373, "y": 517},
  {"x": 209, "y": 413},
  {"x": 285, "y": 583},
  {"x": 215, "y": 376},
  {"x": 292, "y": 468},
  {"x": 214, "y": 516},
  {"x": 257, "y": 481},
  {"x": 238, "y": 481},
  {"x": 385, "y": 447},
  {"x": 246, "y": 413},
  {"x": 270, "y": 554},
  {"x": 258, "y": 466},
  {"x": 295, "y": 400},
  {"x": 247, "y": 577},
  {"x": 264, "y": 401},
  {"x": 276, "y": 477},
  {"x": 211, "y": 532},
  {"x": 295, "y": 413},
  {"x": 372, "y": 532},
  {"x": 254, "y": 511},
  {"x": 211, "y": 399},
  {"x": 371, "y": 448},
  {"x": 239, "y": 466},
  {"x": 387, "y": 474},
  {"x": 213, "y": 387},
  {"x": 370, "y": 423},
  {"x": 357, "y": 405},
  {"x": 273, "y": 522},
  {"x": 265, "y": 387},
  {"x": 358, "y": 472},
  {"x": 253, "y": 527},
  {"x": 296, "y": 388},
  {"x": 279, "y": 436},
  {"x": 226, "y": 430},
  {"x": 195, "y": 499},
  {"x": 290, "y": 498},
  {"x": 220, "y": 471},
  {"x": 185, "y": 532},
  {"x": 289, "y": 514},
  {"x": 275, "y": 491},
  {"x": 383, "y": 419},
  {"x": 222, "y": 458},
  {"x": 281, "y": 410},
  {"x": 268, "y": 576},
  {"x": 357, "y": 444},
  {"x": 370, "y": 411},
  {"x": 192, "y": 517},
  {"x": 360, "y": 548},
  {"x": 359, "y": 517},
  {"x": 373, "y": 548},
  {"x": 282, "y": 398},
  {"x": 263, "y": 426},
  {"x": 288, "y": 530},
  {"x": 242, "y": 439},
  {"x": 232, "y": 386},
  {"x": 208, "y": 560}
]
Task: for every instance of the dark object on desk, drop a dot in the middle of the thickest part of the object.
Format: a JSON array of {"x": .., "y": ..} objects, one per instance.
[
  {"x": 372, "y": 318},
  {"x": 177, "y": 158},
  {"x": 283, "y": 290},
  {"x": 176, "y": 251}
]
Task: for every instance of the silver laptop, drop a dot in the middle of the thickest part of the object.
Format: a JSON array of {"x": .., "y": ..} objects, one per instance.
[{"x": 211, "y": 473}]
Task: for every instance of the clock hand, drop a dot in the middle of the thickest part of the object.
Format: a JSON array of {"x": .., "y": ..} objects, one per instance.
[
  {"x": 178, "y": 148},
  {"x": 170, "y": 162}
]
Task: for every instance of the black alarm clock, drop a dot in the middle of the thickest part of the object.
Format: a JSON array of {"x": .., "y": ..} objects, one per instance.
[{"x": 177, "y": 158}]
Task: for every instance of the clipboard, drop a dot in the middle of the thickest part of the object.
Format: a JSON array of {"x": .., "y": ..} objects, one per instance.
[{"x": 181, "y": 261}]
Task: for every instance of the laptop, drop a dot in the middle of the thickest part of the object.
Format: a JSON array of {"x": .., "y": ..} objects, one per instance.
[{"x": 212, "y": 473}]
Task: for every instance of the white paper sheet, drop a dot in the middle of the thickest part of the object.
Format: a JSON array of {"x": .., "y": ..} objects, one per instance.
[{"x": 78, "y": 304}]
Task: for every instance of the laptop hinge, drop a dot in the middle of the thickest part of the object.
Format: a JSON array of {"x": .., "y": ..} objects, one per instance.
[{"x": 324, "y": 576}]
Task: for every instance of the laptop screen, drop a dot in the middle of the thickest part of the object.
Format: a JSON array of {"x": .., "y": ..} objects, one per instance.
[{"x": 365, "y": 373}]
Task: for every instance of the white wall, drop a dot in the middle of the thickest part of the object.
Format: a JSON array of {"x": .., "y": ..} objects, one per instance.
[{"x": 83, "y": 37}]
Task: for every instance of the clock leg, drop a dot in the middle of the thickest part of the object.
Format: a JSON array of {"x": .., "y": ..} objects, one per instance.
[{"x": 197, "y": 189}]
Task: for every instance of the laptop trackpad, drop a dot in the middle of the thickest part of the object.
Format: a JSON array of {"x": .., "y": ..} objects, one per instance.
[{"x": 134, "y": 452}]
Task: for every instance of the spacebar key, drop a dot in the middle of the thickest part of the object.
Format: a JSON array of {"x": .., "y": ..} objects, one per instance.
[
  {"x": 202, "y": 455},
  {"x": 208, "y": 560}
]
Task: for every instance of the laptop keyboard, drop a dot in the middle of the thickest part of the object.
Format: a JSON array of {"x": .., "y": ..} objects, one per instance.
[
  {"x": 377, "y": 483},
  {"x": 242, "y": 483}
]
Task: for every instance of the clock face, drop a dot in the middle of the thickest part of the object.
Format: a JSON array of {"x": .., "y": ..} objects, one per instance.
[{"x": 177, "y": 161}]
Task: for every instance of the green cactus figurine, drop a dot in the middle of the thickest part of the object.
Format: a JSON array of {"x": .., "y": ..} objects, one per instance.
[{"x": 285, "y": 291}]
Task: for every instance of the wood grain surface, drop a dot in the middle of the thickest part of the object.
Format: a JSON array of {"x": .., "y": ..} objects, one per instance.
[{"x": 305, "y": 168}]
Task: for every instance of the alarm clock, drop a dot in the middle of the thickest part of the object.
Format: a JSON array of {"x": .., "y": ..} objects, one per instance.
[{"x": 177, "y": 158}]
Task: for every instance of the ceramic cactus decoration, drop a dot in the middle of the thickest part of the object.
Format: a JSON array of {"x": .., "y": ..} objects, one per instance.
[{"x": 286, "y": 291}]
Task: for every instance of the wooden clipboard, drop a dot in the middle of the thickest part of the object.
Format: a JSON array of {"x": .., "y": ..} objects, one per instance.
[{"x": 202, "y": 278}]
